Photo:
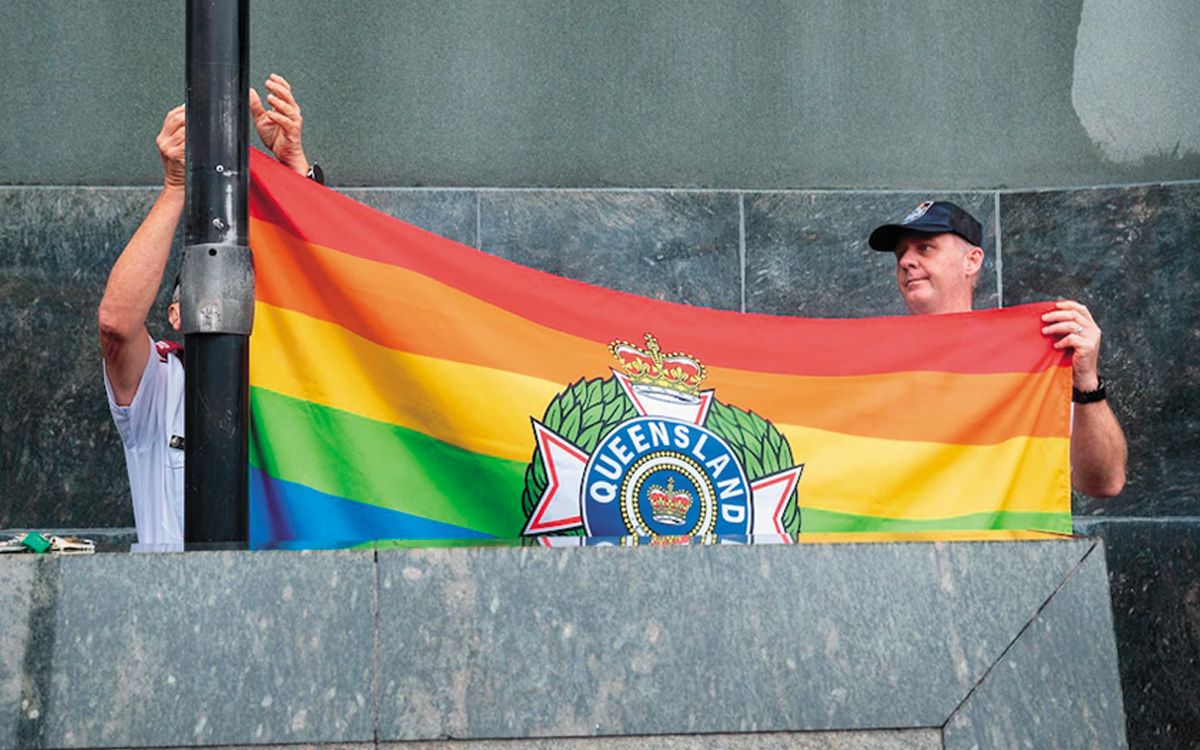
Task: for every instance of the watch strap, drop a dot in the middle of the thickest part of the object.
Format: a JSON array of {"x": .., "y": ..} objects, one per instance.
[
  {"x": 316, "y": 174},
  {"x": 1090, "y": 397}
]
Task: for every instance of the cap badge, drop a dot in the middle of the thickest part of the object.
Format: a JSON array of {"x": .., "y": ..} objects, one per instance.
[{"x": 917, "y": 212}]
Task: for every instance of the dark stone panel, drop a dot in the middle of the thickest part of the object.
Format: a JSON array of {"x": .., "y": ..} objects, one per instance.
[
  {"x": 676, "y": 246},
  {"x": 450, "y": 213},
  {"x": 197, "y": 649},
  {"x": 1154, "y": 577},
  {"x": 1130, "y": 255},
  {"x": 807, "y": 253},
  {"x": 1057, "y": 685},
  {"x": 618, "y": 641},
  {"x": 60, "y": 456}
]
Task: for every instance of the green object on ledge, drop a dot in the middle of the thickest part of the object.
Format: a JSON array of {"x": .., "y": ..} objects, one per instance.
[{"x": 36, "y": 542}]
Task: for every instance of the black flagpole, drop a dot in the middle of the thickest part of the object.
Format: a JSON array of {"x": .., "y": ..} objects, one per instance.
[{"x": 217, "y": 285}]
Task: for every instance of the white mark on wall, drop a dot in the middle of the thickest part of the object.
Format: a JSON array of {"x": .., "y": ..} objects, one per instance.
[{"x": 1134, "y": 86}]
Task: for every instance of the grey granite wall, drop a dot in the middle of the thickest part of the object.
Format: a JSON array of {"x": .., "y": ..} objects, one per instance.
[
  {"x": 1127, "y": 252},
  {"x": 795, "y": 647}
]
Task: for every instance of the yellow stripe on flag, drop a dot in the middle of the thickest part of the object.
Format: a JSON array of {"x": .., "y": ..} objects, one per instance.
[
  {"x": 942, "y": 535},
  {"x": 908, "y": 479},
  {"x": 476, "y": 408}
]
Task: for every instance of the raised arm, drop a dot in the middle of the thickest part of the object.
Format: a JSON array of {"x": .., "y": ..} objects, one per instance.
[
  {"x": 1098, "y": 450},
  {"x": 136, "y": 276}
]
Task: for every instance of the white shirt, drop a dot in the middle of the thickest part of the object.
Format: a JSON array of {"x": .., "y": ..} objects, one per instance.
[{"x": 147, "y": 428}]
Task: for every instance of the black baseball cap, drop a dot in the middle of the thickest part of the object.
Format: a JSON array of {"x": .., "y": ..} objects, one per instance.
[{"x": 931, "y": 217}]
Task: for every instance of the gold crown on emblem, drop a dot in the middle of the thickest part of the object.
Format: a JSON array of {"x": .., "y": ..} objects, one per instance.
[
  {"x": 669, "y": 505},
  {"x": 649, "y": 366}
]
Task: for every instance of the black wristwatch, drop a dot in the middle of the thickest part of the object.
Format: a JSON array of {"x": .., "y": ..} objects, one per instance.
[
  {"x": 316, "y": 174},
  {"x": 1090, "y": 397}
]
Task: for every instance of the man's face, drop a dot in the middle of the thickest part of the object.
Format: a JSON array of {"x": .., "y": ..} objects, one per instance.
[{"x": 936, "y": 272}]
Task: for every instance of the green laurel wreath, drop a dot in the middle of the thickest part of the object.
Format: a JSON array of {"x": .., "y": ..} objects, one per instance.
[{"x": 588, "y": 409}]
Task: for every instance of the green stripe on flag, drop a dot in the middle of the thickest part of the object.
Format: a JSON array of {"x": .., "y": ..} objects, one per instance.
[
  {"x": 827, "y": 521},
  {"x": 361, "y": 459}
]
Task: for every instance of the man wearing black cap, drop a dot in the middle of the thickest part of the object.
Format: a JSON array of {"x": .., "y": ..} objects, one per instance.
[
  {"x": 938, "y": 259},
  {"x": 143, "y": 377}
]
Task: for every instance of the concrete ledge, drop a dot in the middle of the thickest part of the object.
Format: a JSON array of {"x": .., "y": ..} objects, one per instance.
[
  {"x": 855, "y": 646},
  {"x": 195, "y": 649}
]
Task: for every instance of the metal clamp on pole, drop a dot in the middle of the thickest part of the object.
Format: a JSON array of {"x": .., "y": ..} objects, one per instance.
[{"x": 217, "y": 289}]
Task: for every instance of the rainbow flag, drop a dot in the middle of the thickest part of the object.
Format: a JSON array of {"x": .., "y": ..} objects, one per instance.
[{"x": 404, "y": 386}]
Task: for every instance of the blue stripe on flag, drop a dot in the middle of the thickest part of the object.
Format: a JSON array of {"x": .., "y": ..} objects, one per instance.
[{"x": 304, "y": 518}]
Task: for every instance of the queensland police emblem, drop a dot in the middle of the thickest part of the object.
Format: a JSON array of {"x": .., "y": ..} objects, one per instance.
[
  {"x": 917, "y": 212},
  {"x": 648, "y": 454}
]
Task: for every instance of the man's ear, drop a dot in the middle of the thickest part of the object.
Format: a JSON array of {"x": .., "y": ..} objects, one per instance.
[
  {"x": 973, "y": 261},
  {"x": 173, "y": 315}
]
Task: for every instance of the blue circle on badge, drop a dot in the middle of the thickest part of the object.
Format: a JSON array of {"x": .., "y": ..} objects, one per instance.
[{"x": 652, "y": 476}]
